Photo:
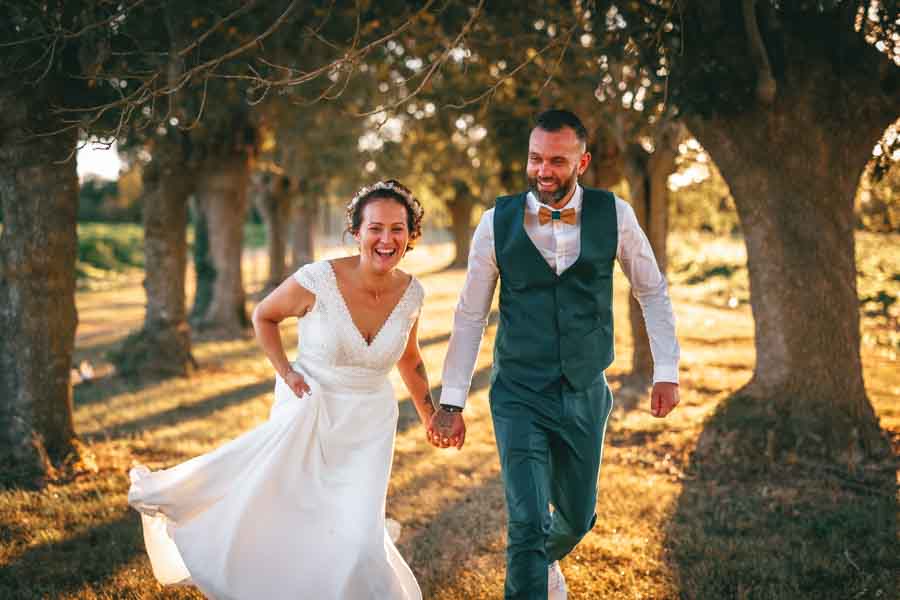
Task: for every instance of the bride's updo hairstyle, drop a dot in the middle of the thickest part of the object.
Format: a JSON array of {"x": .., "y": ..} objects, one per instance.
[{"x": 390, "y": 189}]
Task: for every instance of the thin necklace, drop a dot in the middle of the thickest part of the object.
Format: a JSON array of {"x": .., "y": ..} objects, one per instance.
[{"x": 374, "y": 292}]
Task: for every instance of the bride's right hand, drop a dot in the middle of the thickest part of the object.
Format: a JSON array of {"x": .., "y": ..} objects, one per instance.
[{"x": 295, "y": 381}]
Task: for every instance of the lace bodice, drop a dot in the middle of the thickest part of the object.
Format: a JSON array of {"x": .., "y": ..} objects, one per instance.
[{"x": 328, "y": 336}]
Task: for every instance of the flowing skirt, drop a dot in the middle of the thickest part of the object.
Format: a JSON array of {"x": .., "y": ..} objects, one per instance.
[{"x": 292, "y": 509}]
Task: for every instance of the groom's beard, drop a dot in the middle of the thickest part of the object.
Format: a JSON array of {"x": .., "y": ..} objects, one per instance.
[{"x": 563, "y": 187}]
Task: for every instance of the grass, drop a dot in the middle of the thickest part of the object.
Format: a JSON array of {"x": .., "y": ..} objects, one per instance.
[
  {"x": 680, "y": 514},
  {"x": 106, "y": 250},
  {"x": 109, "y": 252}
]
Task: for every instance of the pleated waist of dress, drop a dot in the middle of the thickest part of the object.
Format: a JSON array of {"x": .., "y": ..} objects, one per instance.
[{"x": 343, "y": 379}]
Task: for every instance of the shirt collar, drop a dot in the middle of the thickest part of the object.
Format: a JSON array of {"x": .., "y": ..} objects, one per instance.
[{"x": 532, "y": 204}]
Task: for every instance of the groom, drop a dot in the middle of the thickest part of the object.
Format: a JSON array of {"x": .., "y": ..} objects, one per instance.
[{"x": 553, "y": 250}]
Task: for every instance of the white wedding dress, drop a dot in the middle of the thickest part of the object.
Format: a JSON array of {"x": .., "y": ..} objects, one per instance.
[{"x": 295, "y": 508}]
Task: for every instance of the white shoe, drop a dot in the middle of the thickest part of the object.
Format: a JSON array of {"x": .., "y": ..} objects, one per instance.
[{"x": 556, "y": 583}]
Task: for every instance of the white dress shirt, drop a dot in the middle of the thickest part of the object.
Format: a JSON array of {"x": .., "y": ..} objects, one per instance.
[{"x": 560, "y": 244}]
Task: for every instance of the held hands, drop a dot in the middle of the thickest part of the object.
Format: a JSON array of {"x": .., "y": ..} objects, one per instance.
[
  {"x": 447, "y": 429},
  {"x": 295, "y": 381},
  {"x": 663, "y": 398}
]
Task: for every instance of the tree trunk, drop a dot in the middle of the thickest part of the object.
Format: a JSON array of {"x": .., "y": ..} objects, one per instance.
[
  {"x": 461, "y": 226},
  {"x": 303, "y": 233},
  {"x": 38, "y": 250},
  {"x": 607, "y": 157},
  {"x": 163, "y": 346},
  {"x": 648, "y": 176},
  {"x": 222, "y": 197},
  {"x": 793, "y": 171},
  {"x": 273, "y": 201},
  {"x": 204, "y": 270},
  {"x": 461, "y": 223},
  {"x": 792, "y": 154}
]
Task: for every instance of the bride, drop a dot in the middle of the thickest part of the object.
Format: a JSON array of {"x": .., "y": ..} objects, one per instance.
[{"x": 295, "y": 508}]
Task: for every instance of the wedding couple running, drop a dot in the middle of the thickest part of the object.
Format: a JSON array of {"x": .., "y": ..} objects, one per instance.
[{"x": 296, "y": 507}]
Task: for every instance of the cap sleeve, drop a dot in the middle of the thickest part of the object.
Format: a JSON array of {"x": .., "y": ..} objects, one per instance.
[
  {"x": 417, "y": 298},
  {"x": 309, "y": 276}
]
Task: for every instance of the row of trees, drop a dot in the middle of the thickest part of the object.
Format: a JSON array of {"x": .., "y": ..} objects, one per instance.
[{"x": 788, "y": 100}]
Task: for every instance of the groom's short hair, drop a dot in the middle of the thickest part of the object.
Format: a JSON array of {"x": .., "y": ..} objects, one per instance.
[{"x": 556, "y": 118}]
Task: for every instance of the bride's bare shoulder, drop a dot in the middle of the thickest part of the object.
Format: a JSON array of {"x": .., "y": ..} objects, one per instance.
[{"x": 342, "y": 264}]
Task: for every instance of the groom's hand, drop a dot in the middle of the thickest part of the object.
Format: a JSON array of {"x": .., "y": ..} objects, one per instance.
[
  {"x": 447, "y": 429},
  {"x": 663, "y": 398}
]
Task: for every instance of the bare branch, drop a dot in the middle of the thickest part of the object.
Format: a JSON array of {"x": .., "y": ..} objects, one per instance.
[
  {"x": 236, "y": 13},
  {"x": 350, "y": 56},
  {"x": 765, "y": 83},
  {"x": 71, "y": 35},
  {"x": 153, "y": 84},
  {"x": 202, "y": 106},
  {"x": 562, "y": 55},
  {"x": 493, "y": 89},
  {"x": 49, "y": 62},
  {"x": 213, "y": 63},
  {"x": 184, "y": 78},
  {"x": 434, "y": 65}
]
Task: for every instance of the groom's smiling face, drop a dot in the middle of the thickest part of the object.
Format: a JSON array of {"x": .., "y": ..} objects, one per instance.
[{"x": 555, "y": 160}]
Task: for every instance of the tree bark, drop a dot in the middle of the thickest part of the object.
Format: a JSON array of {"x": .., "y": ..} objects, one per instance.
[
  {"x": 613, "y": 158},
  {"x": 303, "y": 233},
  {"x": 38, "y": 250},
  {"x": 648, "y": 176},
  {"x": 793, "y": 171},
  {"x": 222, "y": 197},
  {"x": 461, "y": 223},
  {"x": 273, "y": 201},
  {"x": 607, "y": 157},
  {"x": 163, "y": 346},
  {"x": 204, "y": 270},
  {"x": 793, "y": 166}
]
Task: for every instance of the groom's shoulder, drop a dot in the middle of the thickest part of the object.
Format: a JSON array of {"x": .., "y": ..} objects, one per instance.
[
  {"x": 598, "y": 194},
  {"x": 519, "y": 196},
  {"x": 509, "y": 200}
]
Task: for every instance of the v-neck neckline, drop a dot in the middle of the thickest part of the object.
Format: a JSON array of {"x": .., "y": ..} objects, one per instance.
[
  {"x": 349, "y": 314},
  {"x": 524, "y": 206}
]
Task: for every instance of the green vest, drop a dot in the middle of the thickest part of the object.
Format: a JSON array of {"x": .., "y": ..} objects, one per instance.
[{"x": 555, "y": 325}]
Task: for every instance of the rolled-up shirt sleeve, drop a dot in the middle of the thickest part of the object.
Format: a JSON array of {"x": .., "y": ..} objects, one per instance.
[
  {"x": 649, "y": 287},
  {"x": 471, "y": 316}
]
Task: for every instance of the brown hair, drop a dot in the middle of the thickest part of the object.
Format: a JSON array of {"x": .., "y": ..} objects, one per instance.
[{"x": 390, "y": 189}]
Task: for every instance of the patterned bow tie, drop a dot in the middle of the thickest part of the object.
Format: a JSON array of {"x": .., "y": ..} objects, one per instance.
[{"x": 545, "y": 215}]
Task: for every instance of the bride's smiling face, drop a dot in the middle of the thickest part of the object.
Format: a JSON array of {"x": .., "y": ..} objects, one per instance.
[{"x": 383, "y": 234}]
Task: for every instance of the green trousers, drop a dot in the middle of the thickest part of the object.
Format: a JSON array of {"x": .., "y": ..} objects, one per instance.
[{"x": 550, "y": 445}]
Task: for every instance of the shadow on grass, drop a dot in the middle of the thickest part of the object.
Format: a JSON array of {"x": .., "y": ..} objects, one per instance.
[
  {"x": 462, "y": 532},
  {"x": 86, "y": 559},
  {"x": 98, "y": 351},
  {"x": 197, "y": 410},
  {"x": 103, "y": 388},
  {"x": 744, "y": 528}
]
